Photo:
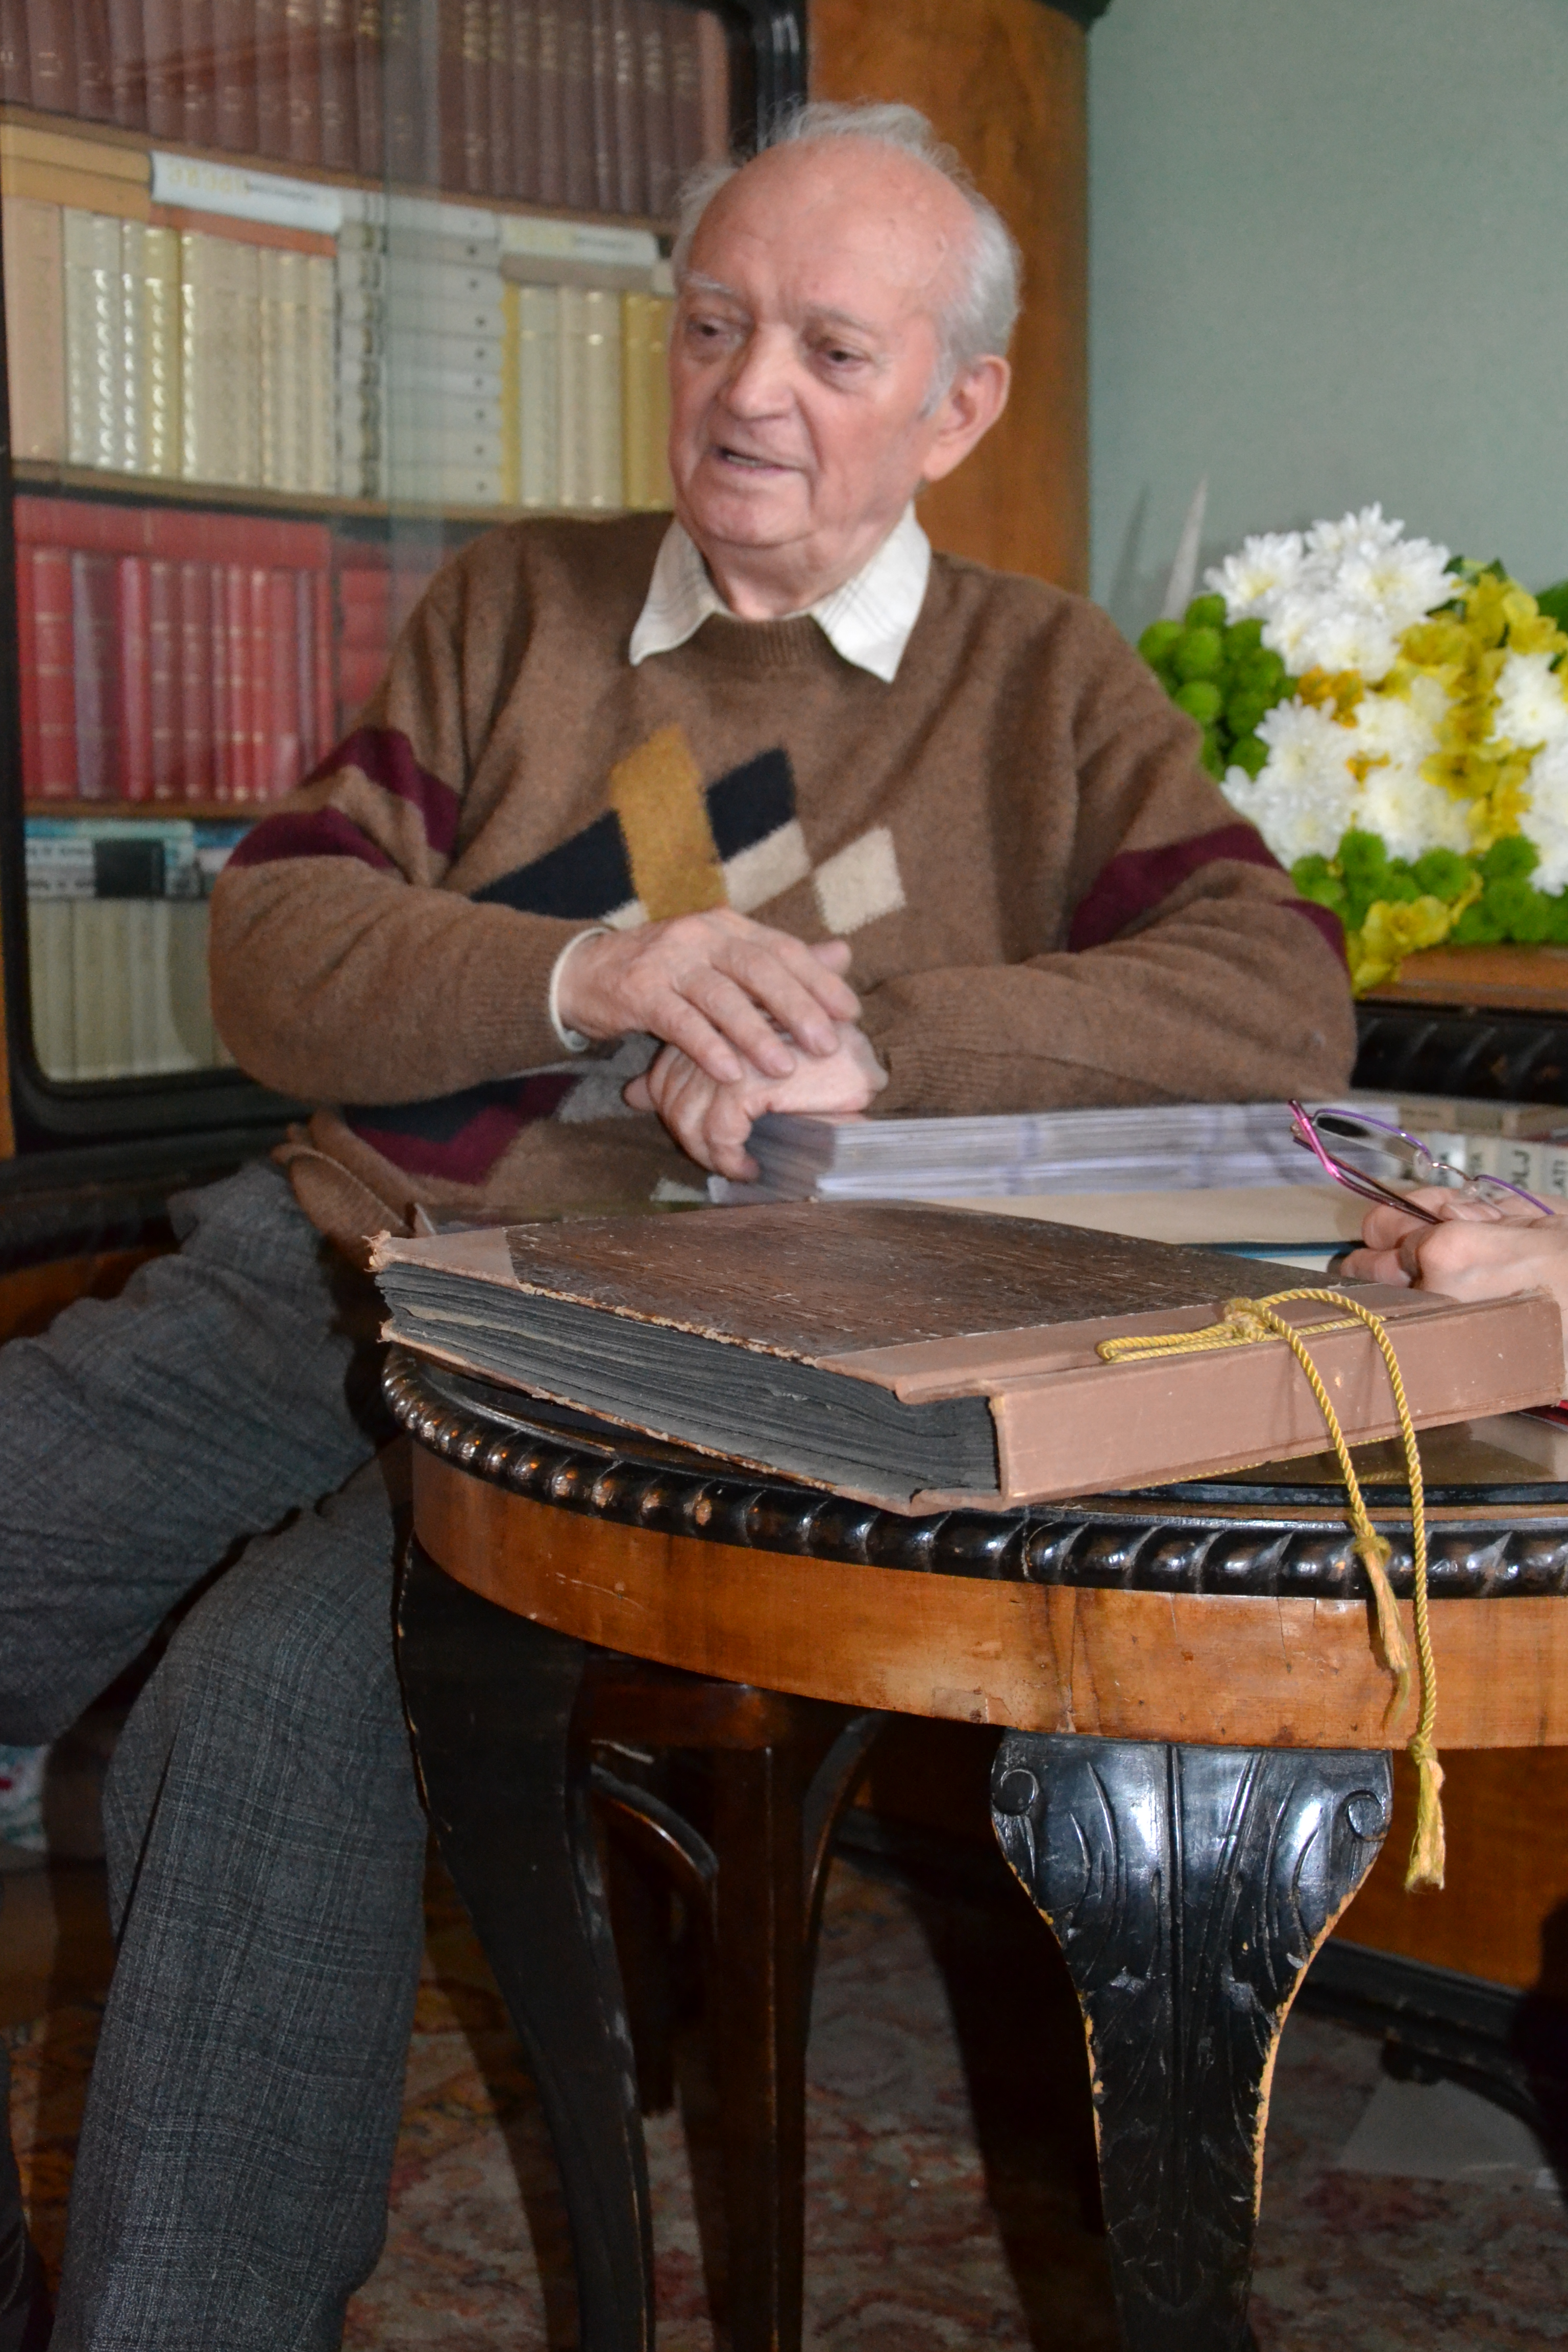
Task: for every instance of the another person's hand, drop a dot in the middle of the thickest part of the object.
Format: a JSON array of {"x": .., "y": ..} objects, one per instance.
[
  {"x": 711, "y": 1121},
  {"x": 1475, "y": 1251},
  {"x": 717, "y": 985}
]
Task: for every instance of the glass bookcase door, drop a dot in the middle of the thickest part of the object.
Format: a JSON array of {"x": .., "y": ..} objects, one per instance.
[{"x": 299, "y": 295}]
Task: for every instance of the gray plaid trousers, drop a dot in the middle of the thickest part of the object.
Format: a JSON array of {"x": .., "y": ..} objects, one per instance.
[{"x": 265, "y": 1840}]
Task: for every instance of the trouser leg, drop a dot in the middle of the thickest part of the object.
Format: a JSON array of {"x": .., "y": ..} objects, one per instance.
[
  {"x": 266, "y": 1850},
  {"x": 141, "y": 1435}
]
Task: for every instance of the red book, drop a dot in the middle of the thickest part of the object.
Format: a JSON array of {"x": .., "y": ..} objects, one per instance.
[
  {"x": 94, "y": 85},
  {"x": 198, "y": 778},
  {"x": 548, "y": 116},
  {"x": 302, "y": 71},
  {"x": 267, "y": 56},
  {"x": 323, "y": 708},
  {"x": 94, "y": 630},
  {"x": 234, "y": 76},
  {"x": 161, "y": 38},
  {"x": 658, "y": 139},
  {"x": 127, "y": 65},
  {"x": 222, "y": 685},
  {"x": 27, "y": 675},
  {"x": 629, "y": 146},
  {"x": 198, "y": 74},
  {"x": 163, "y": 651},
  {"x": 278, "y": 707},
  {"x": 44, "y": 576},
  {"x": 368, "y": 112},
  {"x": 15, "y": 80},
  {"x": 685, "y": 48},
  {"x": 577, "y": 99},
  {"x": 464, "y": 100},
  {"x": 335, "y": 91},
  {"x": 602, "y": 106},
  {"x": 51, "y": 56},
  {"x": 132, "y": 680}
]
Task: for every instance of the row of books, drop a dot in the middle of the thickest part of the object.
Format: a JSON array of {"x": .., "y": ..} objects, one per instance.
[
  {"x": 590, "y": 104},
  {"x": 117, "y": 940},
  {"x": 171, "y": 655},
  {"x": 442, "y": 353}
]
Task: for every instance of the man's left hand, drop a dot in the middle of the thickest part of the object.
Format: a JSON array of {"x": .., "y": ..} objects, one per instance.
[{"x": 710, "y": 1121}]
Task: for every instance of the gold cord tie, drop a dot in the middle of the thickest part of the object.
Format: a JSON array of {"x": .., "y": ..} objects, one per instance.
[{"x": 1248, "y": 1320}]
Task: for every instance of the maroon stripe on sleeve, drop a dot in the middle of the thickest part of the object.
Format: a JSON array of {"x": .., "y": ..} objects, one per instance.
[
  {"x": 1323, "y": 920},
  {"x": 321, "y": 832},
  {"x": 387, "y": 757},
  {"x": 1141, "y": 879}
]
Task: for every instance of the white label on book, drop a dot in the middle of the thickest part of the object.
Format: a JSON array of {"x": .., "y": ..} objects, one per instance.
[
  {"x": 564, "y": 240},
  {"x": 241, "y": 194}
]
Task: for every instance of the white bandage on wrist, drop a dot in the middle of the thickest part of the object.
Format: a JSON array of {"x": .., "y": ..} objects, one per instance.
[{"x": 572, "y": 1039}]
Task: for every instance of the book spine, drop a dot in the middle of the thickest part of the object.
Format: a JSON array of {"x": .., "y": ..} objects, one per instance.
[
  {"x": 196, "y": 348},
  {"x": 630, "y": 148},
  {"x": 576, "y": 89},
  {"x": 241, "y": 685},
  {"x": 140, "y": 944},
  {"x": 95, "y": 329},
  {"x": 54, "y": 640},
  {"x": 404, "y": 142},
  {"x": 602, "y": 106},
  {"x": 51, "y": 56},
  {"x": 602, "y": 458},
  {"x": 197, "y": 780},
  {"x": 369, "y": 118},
  {"x": 233, "y": 77},
  {"x": 127, "y": 65},
  {"x": 660, "y": 488},
  {"x": 35, "y": 327},
  {"x": 338, "y": 142},
  {"x": 549, "y": 116},
  {"x": 323, "y": 701},
  {"x": 465, "y": 99},
  {"x": 658, "y": 133},
  {"x": 521, "y": 101},
  {"x": 539, "y": 367},
  {"x": 29, "y": 683},
  {"x": 132, "y": 680},
  {"x": 163, "y": 656},
  {"x": 510, "y": 406},
  {"x": 572, "y": 397},
  {"x": 161, "y": 38},
  {"x": 501, "y": 178},
  {"x": 685, "y": 54},
  {"x": 318, "y": 385},
  {"x": 635, "y": 431},
  {"x": 280, "y": 763},
  {"x": 159, "y": 296},
  {"x": 131, "y": 455},
  {"x": 276, "y": 382},
  {"x": 49, "y": 924},
  {"x": 16, "y": 78},
  {"x": 222, "y": 683},
  {"x": 302, "y": 80},
  {"x": 92, "y": 646},
  {"x": 715, "y": 129},
  {"x": 197, "y": 74},
  {"x": 94, "y": 85},
  {"x": 267, "y": 45}
]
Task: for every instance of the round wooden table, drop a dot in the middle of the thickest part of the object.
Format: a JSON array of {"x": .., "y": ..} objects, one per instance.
[{"x": 1193, "y": 1781}]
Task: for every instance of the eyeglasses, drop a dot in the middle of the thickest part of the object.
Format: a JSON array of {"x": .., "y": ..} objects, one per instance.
[{"x": 1316, "y": 1130}]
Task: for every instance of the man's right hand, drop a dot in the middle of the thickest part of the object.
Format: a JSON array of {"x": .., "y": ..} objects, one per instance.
[{"x": 717, "y": 985}]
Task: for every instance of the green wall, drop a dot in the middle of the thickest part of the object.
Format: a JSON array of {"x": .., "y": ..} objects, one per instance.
[{"x": 1329, "y": 264}]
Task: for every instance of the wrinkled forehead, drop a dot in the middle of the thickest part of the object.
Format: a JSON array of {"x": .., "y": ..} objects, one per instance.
[{"x": 842, "y": 223}]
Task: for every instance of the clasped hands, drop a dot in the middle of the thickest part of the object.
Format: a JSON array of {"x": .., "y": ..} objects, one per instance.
[{"x": 749, "y": 1020}]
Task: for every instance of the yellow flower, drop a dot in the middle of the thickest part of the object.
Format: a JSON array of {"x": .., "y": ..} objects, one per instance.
[
  {"x": 1338, "y": 692},
  {"x": 1392, "y": 931}
]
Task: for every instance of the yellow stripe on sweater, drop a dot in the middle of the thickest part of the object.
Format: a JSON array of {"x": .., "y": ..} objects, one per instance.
[{"x": 656, "y": 793}]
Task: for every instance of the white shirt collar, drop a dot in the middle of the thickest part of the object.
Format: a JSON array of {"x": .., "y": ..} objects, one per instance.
[{"x": 868, "y": 622}]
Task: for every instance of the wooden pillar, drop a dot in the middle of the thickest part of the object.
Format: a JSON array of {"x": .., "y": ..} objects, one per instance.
[{"x": 1003, "y": 80}]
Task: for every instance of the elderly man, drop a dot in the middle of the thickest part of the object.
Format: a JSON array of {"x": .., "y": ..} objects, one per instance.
[{"x": 631, "y": 797}]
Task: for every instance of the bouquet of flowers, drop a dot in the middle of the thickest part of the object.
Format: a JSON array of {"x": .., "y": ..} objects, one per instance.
[{"x": 1394, "y": 721}]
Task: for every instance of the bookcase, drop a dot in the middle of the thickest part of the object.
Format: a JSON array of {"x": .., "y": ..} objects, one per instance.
[{"x": 300, "y": 294}]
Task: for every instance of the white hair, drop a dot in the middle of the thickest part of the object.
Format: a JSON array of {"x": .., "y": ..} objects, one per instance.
[{"x": 978, "y": 317}]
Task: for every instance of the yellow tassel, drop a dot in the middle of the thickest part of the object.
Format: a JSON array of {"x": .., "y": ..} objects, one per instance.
[{"x": 1248, "y": 1320}]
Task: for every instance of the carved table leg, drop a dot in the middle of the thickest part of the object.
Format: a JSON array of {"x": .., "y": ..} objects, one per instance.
[
  {"x": 490, "y": 1699},
  {"x": 1188, "y": 1888}
]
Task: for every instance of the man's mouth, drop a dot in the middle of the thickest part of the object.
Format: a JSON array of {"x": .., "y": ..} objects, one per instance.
[{"x": 747, "y": 461}]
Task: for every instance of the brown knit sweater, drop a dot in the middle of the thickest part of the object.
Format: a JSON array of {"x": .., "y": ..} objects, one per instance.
[{"x": 1047, "y": 900}]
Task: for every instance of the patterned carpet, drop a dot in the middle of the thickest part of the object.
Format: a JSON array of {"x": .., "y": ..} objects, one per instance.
[{"x": 950, "y": 2190}]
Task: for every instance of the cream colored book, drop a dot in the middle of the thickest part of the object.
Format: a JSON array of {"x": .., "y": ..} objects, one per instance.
[
  {"x": 318, "y": 385},
  {"x": 95, "y": 340},
  {"x": 36, "y": 327},
  {"x": 572, "y": 479},
  {"x": 150, "y": 259},
  {"x": 604, "y": 462},
  {"x": 635, "y": 426},
  {"x": 660, "y": 489},
  {"x": 189, "y": 1006},
  {"x": 220, "y": 359},
  {"x": 282, "y": 281},
  {"x": 539, "y": 396},
  {"x": 50, "y": 973},
  {"x": 511, "y": 406}
]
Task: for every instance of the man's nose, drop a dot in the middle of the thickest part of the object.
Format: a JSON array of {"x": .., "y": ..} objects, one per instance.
[{"x": 758, "y": 385}]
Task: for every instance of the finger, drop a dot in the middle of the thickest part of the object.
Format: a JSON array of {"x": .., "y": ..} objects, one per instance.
[
  {"x": 796, "y": 1001},
  {"x": 836, "y": 954},
  {"x": 1376, "y": 1265},
  {"x": 638, "y": 1095},
  {"x": 678, "y": 1022},
  {"x": 734, "y": 1012},
  {"x": 796, "y": 966}
]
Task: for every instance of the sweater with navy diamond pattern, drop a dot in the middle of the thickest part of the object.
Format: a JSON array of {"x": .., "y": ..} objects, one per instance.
[{"x": 1048, "y": 901}]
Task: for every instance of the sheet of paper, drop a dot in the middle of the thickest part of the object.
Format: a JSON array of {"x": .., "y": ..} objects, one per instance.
[{"x": 1300, "y": 1216}]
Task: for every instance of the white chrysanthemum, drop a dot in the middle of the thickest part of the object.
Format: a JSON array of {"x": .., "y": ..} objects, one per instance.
[
  {"x": 1306, "y": 794},
  {"x": 1400, "y": 583},
  {"x": 1396, "y": 727},
  {"x": 1290, "y": 628},
  {"x": 1351, "y": 636},
  {"x": 1532, "y": 706},
  {"x": 1545, "y": 821},
  {"x": 1261, "y": 570},
  {"x": 1366, "y": 531},
  {"x": 1410, "y": 815}
]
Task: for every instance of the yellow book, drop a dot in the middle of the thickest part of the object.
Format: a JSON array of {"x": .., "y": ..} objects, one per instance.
[
  {"x": 572, "y": 406},
  {"x": 539, "y": 396},
  {"x": 36, "y": 327},
  {"x": 634, "y": 429},
  {"x": 510, "y": 399},
  {"x": 19, "y": 143},
  {"x": 95, "y": 340},
  {"x": 317, "y": 375},
  {"x": 603, "y": 436},
  {"x": 151, "y": 265},
  {"x": 656, "y": 466},
  {"x": 92, "y": 192}
]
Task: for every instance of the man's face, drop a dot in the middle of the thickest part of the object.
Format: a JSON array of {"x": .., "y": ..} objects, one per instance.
[{"x": 804, "y": 353}]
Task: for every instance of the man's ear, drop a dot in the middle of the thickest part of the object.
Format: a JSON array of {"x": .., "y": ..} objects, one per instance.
[{"x": 972, "y": 403}]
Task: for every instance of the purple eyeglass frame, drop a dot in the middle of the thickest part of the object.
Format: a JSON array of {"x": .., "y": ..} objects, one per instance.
[{"x": 1304, "y": 1132}]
